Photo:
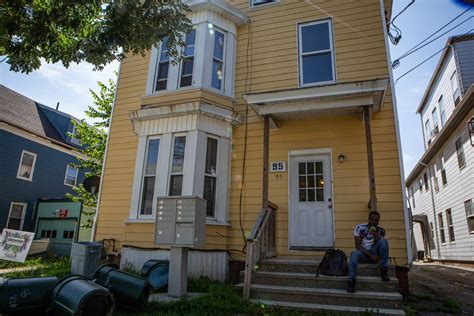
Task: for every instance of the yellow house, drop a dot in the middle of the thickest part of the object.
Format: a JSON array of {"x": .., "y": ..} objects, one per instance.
[{"x": 280, "y": 108}]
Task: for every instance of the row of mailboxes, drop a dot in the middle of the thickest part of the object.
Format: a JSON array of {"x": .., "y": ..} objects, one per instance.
[{"x": 180, "y": 221}]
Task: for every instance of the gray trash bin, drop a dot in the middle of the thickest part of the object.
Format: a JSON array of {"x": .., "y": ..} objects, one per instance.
[{"x": 85, "y": 258}]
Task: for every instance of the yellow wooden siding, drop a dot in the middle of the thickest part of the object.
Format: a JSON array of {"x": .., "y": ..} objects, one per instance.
[{"x": 268, "y": 48}]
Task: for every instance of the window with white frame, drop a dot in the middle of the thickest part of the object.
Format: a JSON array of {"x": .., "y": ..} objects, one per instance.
[
  {"x": 210, "y": 176},
  {"x": 187, "y": 63},
  {"x": 455, "y": 88},
  {"x": 432, "y": 230},
  {"x": 441, "y": 228},
  {"x": 412, "y": 194},
  {"x": 444, "y": 178},
  {"x": 75, "y": 140},
  {"x": 449, "y": 222},
  {"x": 420, "y": 184},
  {"x": 149, "y": 177},
  {"x": 428, "y": 132},
  {"x": 425, "y": 179},
  {"x": 256, "y": 3},
  {"x": 316, "y": 53},
  {"x": 161, "y": 80},
  {"x": 469, "y": 215},
  {"x": 71, "y": 175},
  {"x": 218, "y": 60},
  {"x": 442, "y": 110},
  {"x": 460, "y": 153},
  {"x": 177, "y": 166},
  {"x": 435, "y": 117},
  {"x": 27, "y": 165},
  {"x": 16, "y": 215},
  {"x": 435, "y": 178}
]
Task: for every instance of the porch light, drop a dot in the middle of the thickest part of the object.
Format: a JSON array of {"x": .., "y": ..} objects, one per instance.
[
  {"x": 470, "y": 127},
  {"x": 341, "y": 158}
]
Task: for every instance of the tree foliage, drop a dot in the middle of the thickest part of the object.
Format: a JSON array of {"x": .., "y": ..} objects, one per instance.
[
  {"x": 93, "y": 141},
  {"x": 96, "y": 31}
]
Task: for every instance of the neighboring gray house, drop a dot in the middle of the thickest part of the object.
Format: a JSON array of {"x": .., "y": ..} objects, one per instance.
[{"x": 441, "y": 186}]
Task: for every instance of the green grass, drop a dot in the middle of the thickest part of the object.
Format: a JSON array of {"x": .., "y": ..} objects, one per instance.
[
  {"x": 424, "y": 303},
  {"x": 39, "y": 267}
]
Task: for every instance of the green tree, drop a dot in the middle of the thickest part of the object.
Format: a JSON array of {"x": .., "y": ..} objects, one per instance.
[
  {"x": 93, "y": 141},
  {"x": 96, "y": 31}
]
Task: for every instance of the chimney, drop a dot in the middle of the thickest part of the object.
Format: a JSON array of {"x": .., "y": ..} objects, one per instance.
[{"x": 57, "y": 106}]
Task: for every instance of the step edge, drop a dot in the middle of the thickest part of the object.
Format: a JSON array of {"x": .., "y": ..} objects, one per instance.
[
  {"x": 366, "y": 279},
  {"x": 315, "y": 306}
]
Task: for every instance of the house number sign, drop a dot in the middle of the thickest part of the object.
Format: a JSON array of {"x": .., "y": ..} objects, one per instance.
[{"x": 278, "y": 166}]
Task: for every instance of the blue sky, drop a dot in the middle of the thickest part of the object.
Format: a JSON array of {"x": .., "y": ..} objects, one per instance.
[{"x": 70, "y": 87}]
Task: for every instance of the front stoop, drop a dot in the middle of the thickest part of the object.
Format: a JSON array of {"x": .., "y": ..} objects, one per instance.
[{"x": 291, "y": 283}]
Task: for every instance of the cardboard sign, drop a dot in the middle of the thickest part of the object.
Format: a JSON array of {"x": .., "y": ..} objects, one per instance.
[
  {"x": 63, "y": 213},
  {"x": 15, "y": 244}
]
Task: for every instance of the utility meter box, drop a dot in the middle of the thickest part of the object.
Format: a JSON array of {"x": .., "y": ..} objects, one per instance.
[{"x": 180, "y": 221}]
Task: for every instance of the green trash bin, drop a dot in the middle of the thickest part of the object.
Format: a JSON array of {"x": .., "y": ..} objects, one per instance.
[
  {"x": 25, "y": 296},
  {"x": 78, "y": 296},
  {"x": 130, "y": 291}
]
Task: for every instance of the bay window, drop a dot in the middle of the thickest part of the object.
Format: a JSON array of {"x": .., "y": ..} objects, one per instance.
[
  {"x": 149, "y": 177},
  {"x": 163, "y": 66},
  {"x": 218, "y": 60},
  {"x": 177, "y": 166},
  {"x": 210, "y": 176},
  {"x": 187, "y": 64}
]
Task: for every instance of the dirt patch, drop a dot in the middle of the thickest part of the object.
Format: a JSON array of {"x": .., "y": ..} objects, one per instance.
[{"x": 440, "y": 289}]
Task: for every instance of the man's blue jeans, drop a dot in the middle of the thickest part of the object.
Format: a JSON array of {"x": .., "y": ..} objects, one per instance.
[{"x": 380, "y": 249}]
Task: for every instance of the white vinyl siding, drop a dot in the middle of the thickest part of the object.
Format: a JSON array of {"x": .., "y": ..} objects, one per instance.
[
  {"x": 16, "y": 216},
  {"x": 26, "y": 167},
  {"x": 316, "y": 53}
]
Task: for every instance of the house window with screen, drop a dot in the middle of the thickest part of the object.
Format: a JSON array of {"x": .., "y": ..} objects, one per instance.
[
  {"x": 444, "y": 178},
  {"x": 210, "y": 176},
  {"x": 149, "y": 177},
  {"x": 441, "y": 228},
  {"x": 256, "y": 3},
  {"x": 27, "y": 166},
  {"x": 442, "y": 110},
  {"x": 316, "y": 53},
  {"x": 455, "y": 88},
  {"x": 16, "y": 216},
  {"x": 71, "y": 175},
  {"x": 163, "y": 66},
  {"x": 187, "y": 64},
  {"x": 425, "y": 179},
  {"x": 218, "y": 60},
  {"x": 460, "y": 153},
  {"x": 469, "y": 215},
  {"x": 449, "y": 221},
  {"x": 434, "y": 114},
  {"x": 177, "y": 166}
]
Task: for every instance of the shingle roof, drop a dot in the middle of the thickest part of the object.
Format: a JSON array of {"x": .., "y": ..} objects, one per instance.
[{"x": 26, "y": 114}]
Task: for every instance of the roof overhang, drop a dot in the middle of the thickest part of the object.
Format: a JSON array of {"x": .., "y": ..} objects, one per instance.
[
  {"x": 221, "y": 7},
  {"x": 457, "y": 118},
  {"x": 339, "y": 97}
]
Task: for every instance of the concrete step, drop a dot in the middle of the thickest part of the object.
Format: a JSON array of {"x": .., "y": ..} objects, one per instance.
[
  {"x": 367, "y": 283},
  {"x": 367, "y": 299},
  {"x": 313, "y": 307},
  {"x": 310, "y": 266}
]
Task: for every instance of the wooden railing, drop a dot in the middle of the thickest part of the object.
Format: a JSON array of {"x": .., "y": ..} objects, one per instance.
[{"x": 260, "y": 243}]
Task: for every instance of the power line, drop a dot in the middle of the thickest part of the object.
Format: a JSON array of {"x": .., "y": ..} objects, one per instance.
[
  {"x": 392, "y": 27},
  {"x": 396, "y": 62},
  {"x": 424, "y": 61}
]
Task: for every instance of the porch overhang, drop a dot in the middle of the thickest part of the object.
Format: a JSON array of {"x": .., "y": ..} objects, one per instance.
[{"x": 328, "y": 99}]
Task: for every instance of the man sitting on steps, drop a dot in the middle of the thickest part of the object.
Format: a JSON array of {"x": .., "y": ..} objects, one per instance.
[{"x": 371, "y": 247}]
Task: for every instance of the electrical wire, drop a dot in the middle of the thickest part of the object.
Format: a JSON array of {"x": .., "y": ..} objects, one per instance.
[
  {"x": 424, "y": 61},
  {"x": 393, "y": 28},
  {"x": 417, "y": 47}
]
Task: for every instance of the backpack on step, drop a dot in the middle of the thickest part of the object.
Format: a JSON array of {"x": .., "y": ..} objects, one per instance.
[{"x": 334, "y": 263}]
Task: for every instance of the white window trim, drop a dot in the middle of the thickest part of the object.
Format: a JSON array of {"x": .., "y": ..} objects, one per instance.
[
  {"x": 254, "y": 6},
  {"x": 75, "y": 177},
  {"x": 157, "y": 68},
  {"x": 216, "y": 176},
  {"x": 142, "y": 176},
  {"x": 74, "y": 140},
  {"x": 193, "y": 76},
  {"x": 224, "y": 64},
  {"x": 182, "y": 173},
  {"x": 32, "y": 167},
  {"x": 332, "y": 50},
  {"x": 448, "y": 226},
  {"x": 468, "y": 216},
  {"x": 25, "y": 205}
]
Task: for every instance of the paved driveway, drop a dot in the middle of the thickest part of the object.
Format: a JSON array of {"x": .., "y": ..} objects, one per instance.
[{"x": 441, "y": 282}]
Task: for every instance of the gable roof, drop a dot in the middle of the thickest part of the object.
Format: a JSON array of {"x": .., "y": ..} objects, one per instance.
[
  {"x": 449, "y": 45},
  {"x": 38, "y": 119}
]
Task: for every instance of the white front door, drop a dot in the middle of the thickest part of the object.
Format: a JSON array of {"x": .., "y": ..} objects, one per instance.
[{"x": 310, "y": 213}]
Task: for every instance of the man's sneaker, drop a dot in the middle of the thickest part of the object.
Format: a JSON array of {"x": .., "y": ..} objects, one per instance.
[
  {"x": 351, "y": 288},
  {"x": 384, "y": 274}
]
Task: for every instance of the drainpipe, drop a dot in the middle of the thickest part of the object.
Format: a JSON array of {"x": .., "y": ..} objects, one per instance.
[{"x": 438, "y": 250}]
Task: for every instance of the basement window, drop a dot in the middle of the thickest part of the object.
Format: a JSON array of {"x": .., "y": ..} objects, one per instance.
[{"x": 316, "y": 53}]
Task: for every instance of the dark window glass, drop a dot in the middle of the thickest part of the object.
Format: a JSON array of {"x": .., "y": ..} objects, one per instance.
[
  {"x": 187, "y": 64},
  {"x": 147, "y": 195},
  {"x": 218, "y": 60},
  {"x": 460, "y": 153},
  {"x": 449, "y": 221},
  {"x": 152, "y": 157},
  {"x": 211, "y": 156},
  {"x": 210, "y": 194},
  {"x": 176, "y": 185},
  {"x": 315, "y": 37},
  {"x": 441, "y": 228},
  {"x": 260, "y": 2},
  {"x": 163, "y": 66},
  {"x": 317, "y": 68},
  {"x": 178, "y": 154}
]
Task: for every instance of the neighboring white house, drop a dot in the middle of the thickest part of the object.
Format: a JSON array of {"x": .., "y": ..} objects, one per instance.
[{"x": 441, "y": 186}]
